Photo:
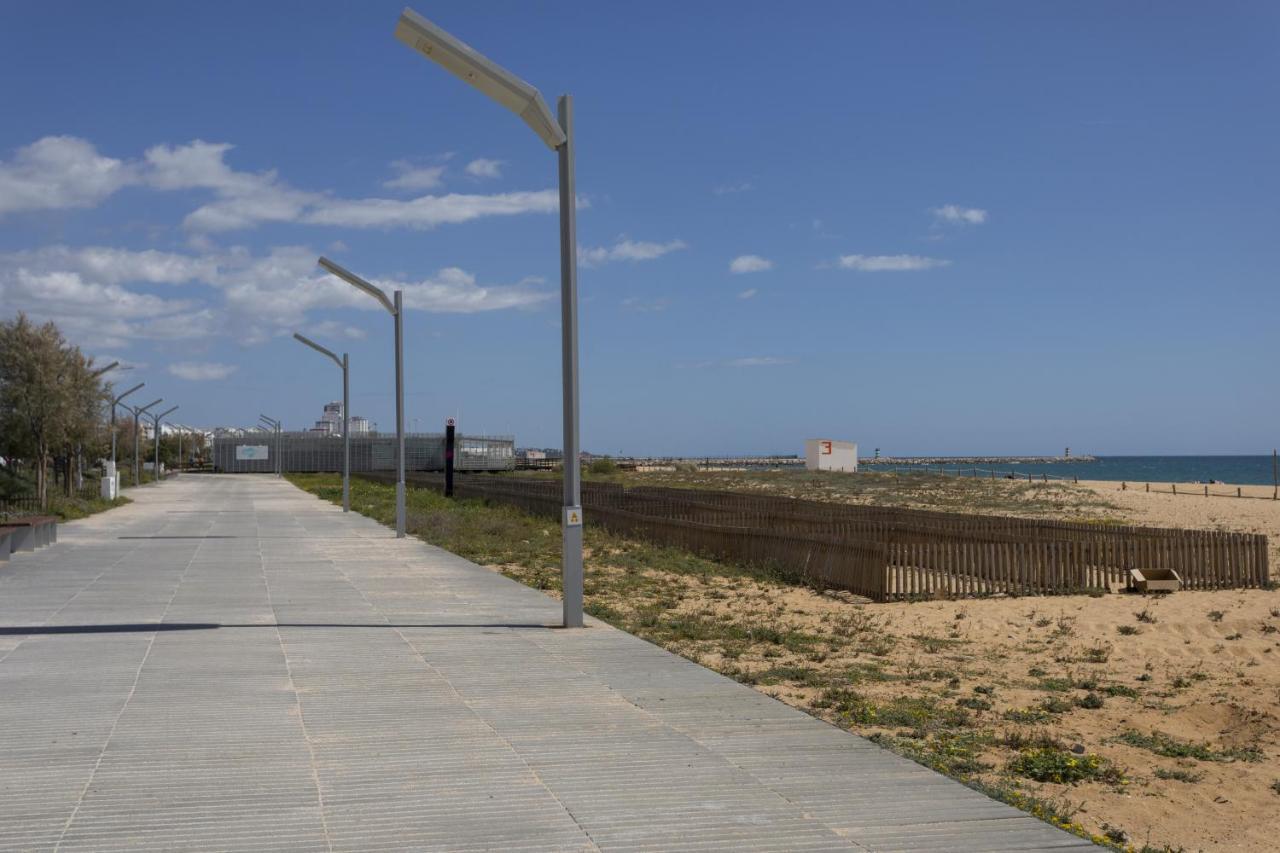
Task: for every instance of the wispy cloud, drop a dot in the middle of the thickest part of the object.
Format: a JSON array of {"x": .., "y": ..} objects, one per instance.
[
  {"x": 411, "y": 177},
  {"x": 749, "y": 263},
  {"x": 483, "y": 168},
  {"x": 956, "y": 215},
  {"x": 635, "y": 303},
  {"x": 758, "y": 361},
  {"x": 334, "y": 329},
  {"x": 59, "y": 172},
  {"x": 201, "y": 371},
  {"x": 748, "y": 293},
  {"x": 627, "y": 250},
  {"x": 889, "y": 263},
  {"x": 427, "y": 211},
  {"x": 745, "y": 361},
  {"x": 729, "y": 189}
]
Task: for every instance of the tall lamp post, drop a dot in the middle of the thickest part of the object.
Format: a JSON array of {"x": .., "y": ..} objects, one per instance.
[
  {"x": 275, "y": 428},
  {"x": 115, "y": 403},
  {"x": 79, "y": 473},
  {"x": 346, "y": 415},
  {"x": 156, "y": 470},
  {"x": 137, "y": 443},
  {"x": 525, "y": 101},
  {"x": 395, "y": 306}
]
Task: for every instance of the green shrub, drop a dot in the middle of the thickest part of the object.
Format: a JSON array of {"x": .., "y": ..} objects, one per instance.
[
  {"x": 1171, "y": 747},
  {"x": 602, "y": 466},
  {"x": 1061, "y": 767}
]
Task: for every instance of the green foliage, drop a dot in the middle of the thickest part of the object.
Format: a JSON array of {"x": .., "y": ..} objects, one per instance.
[
  {"x": 1091, "y": 701},
  {"x": 1120, "y": 690},
  {"x": 1062, "y": 767},
  {"x": 1172, "y": 747},
  {"x": 602, "y": 466},
  {"x": 50, "y": 402}
]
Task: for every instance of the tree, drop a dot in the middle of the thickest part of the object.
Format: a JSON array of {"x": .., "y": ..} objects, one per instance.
[{"x": 49, "y": 399}]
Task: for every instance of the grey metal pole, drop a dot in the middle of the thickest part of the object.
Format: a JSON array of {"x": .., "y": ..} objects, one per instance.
[
  {"x": 399, "y": 317},
  {"x": 137, "y": 465},
  {"x": 179, "y": 449},
  {"x": 571, "y": 523},
  {"x": 346, "y": 435},
  {"x": 155, "y": 470}
]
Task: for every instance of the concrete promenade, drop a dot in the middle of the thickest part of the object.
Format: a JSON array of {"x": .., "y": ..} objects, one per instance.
[{"x": 232, "y": 664}]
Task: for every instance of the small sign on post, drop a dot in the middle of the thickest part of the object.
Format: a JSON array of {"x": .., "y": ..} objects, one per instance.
[{"x": 573, "y": 516}]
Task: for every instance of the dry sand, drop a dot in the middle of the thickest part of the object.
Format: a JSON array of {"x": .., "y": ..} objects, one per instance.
[
  {"x": 1256, "y": 512},
  {"x": 1203, "y": 668},
  {"x": 1200, "y": 667},
  {"x": 1122, "y": 677}
]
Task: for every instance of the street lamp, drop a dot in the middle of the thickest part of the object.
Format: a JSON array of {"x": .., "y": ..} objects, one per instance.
[
  {"x": 137, "y": 447},
  {"x": 79, "y": 472},
  {"x": 115, "y": 403},
  {"x": 275, "y": 427},
  {"x": 156, "y": 418},
  {"x": 525, "y": 101},
  {"x": 346, "y": 416},
  {"x": 396, "y": 307}
]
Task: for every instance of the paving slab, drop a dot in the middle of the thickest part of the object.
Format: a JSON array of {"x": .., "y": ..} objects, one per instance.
[{"x": 229, "y": 663}]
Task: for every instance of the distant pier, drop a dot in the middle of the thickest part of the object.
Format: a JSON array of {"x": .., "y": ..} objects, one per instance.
[{"x": 974, "y": 460}]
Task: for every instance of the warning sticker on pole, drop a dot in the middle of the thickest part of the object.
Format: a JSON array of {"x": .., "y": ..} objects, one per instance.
[{"x": 573, "y": 516}]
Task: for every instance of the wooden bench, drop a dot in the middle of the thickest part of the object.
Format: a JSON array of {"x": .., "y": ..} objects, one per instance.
[{"x": 30, "y": 532}]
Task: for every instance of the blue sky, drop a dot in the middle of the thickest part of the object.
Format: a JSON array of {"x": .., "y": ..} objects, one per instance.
[{"x": 929, "y": 228}]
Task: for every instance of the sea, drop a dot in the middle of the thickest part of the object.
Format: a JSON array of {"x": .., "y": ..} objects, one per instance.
[{"x": 1235, "y": 470}]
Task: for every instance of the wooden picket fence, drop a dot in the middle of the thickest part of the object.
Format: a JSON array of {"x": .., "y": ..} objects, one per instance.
[{"x": 891, "y": 553}]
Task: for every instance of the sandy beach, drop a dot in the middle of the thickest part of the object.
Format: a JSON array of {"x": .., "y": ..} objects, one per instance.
[{"x": 1255, "y": 512}]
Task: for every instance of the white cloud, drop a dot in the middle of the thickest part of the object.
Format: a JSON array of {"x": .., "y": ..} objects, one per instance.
[
  {"x": 889, "y": 263},
  {"x": 413, "y": 177},
  {"x": 728, "y": 189},
  {"x": 627, "y": 250},
  {"x": 749, "y": 263},
  {"x": 201, "y": 371},
  {"x": 428, "y": 211},
  {"x": 957, "y": 215},
  {"x": 748, "y": 293},
  {"x": 64, "y": 172},
  {"x": 243, "y": 198},
  {"x": 757, "y": 361},
  {"x": 334, "y": 329},
  {"x": 453, "y": 290},
  {"x": 114, "y": 266},
  {"x": 482, "y": 168},
  {"x": 91, "y": 313},
  {"x": 255, "y": 297},
  {"x": 59, "y": 172}
]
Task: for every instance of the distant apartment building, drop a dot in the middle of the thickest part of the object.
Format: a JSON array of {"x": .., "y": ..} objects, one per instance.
[{"x": 330, "y": 422}]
